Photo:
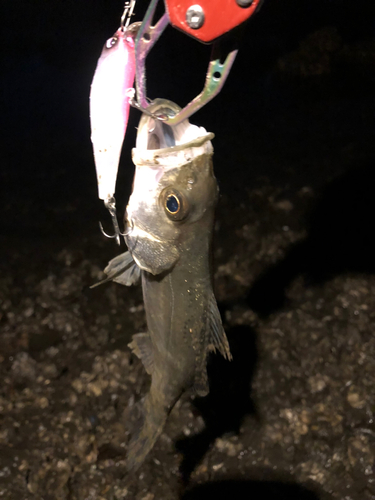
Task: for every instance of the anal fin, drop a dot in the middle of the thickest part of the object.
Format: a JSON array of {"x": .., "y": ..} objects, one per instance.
[{"x": 142, "y": 347}]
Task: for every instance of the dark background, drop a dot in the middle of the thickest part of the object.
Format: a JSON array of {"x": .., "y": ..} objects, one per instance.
[{"x": 49, "y": 52}]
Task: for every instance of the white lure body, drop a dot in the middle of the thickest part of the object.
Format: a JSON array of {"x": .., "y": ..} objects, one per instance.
[{"x": 109, "y": 108}]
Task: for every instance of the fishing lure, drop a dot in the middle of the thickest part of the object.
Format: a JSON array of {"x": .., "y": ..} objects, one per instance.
[{"x": 109, "y": 108}]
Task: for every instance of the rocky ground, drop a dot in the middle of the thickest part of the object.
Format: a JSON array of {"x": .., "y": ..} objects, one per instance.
[{"x": 293, "y": 415}]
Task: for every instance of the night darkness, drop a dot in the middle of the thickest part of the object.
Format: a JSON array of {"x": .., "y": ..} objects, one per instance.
[{"x": 294, "y": 262}]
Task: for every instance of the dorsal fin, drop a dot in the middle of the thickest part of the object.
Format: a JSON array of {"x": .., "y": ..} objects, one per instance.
[
  {"x": 122, "y": 269},
  {"x": 142, "y": 347},
  {"x": 217, "y": 338},
  {"x": 212, "y": 338}
]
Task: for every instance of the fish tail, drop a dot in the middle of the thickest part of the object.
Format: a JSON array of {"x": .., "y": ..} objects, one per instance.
[{"x": 150, "y": 421}]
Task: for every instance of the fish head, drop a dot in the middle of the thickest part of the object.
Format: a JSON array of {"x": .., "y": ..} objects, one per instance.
[{"x": 174, "y": 193}]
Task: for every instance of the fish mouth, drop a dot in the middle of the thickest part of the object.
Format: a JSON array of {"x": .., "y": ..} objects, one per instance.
[
  {"x": 155, "y": 136},
  {"x": 135, "y": 230},
  {"x": 149, "y": 252}
]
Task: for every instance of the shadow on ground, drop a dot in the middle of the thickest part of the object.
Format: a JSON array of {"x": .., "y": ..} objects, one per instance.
[
  {"x": 256, "y": 490},
  {"x": 229, "y": 399},
  {"x": 340, "y": 239}
]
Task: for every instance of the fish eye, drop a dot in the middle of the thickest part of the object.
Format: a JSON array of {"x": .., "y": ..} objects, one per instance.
[
  {"x": 174, "y": 204},
  {"x": 111, "y": 42}
]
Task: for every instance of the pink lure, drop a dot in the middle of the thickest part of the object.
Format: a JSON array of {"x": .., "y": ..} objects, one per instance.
[{"x": 109, "y": 107}]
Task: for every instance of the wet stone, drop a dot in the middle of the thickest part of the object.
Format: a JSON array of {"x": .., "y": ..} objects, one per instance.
[
  {"x": 120, "y": 492},
  {"x": 360, "y": 452},
  {"x": 284, "y": 205},
  {"x": 149, "y": 496},
  {"x": 50, "y": 479},
  {"x": 313, "y": 471},
  {"x": 42, "y": 402},
  {"x": 230, "y": 447},
  {"x": 317, "y": 383},
  {"x": 355, "y": 398},
  {"x": 50, "y": 370},
  {"x": 24, "y": 367}
]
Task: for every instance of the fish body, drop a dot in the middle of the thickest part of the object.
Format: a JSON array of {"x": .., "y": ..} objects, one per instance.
[
  {"x": 170, "y": 218},
  {"x": 109, "y": 107}
]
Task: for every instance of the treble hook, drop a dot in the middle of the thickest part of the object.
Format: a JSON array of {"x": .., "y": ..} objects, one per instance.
[
  {"x": 127, "y": 14},
  {"x": 110, "y": 205}
]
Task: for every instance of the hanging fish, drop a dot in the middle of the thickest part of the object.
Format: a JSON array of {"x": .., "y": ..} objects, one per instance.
[
  {"x": 109, "y": 105},
  {"x": 170, "y": 219}
]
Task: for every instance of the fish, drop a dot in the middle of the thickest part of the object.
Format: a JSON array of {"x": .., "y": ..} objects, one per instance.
[
  {"x": 109, "y": 105},
  {"x": 169, "y": 220}
]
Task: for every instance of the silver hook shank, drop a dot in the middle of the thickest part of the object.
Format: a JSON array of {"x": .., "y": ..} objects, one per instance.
[
  {"x": 110, "y": 204},
  {"x": 127, "y": 14}
]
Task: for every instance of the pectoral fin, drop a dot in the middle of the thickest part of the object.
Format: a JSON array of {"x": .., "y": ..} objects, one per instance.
[
  {"x": 142, "y": 347},
  {"x": 122, "y": 269}
]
